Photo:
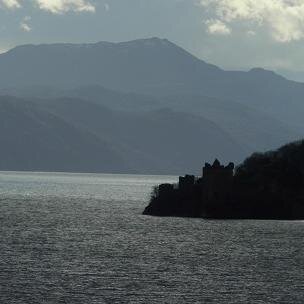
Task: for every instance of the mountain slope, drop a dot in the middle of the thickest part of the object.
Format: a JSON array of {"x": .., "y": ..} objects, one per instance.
[
  {"x": 252, "y": 129},
  {"x": 160, "y": 141},
  {"x": 36, "y": 140},
  {"x": 154, "y": 66},
  {"x": 147, "y": 63},
  {"x": 213, "y": 112},
  {"x": 73, "y": 135}
]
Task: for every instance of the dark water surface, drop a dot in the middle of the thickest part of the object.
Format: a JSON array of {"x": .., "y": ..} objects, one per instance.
[{"x": 80, "y": 238}]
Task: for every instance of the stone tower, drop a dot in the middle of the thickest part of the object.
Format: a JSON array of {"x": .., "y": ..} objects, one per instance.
[{"x": 217, "y": 180}]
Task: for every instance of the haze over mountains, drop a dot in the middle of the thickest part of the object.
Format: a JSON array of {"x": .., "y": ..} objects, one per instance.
[{"x": 145, "y": 106}]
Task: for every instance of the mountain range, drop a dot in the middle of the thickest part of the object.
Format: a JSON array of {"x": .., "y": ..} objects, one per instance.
[{"x": 144, "y": 106}]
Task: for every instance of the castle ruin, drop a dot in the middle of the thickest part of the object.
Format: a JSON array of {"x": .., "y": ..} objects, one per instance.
[{"x": 214, "y": 185}]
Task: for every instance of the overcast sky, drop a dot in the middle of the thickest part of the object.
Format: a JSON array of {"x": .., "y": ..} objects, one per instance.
[{"x": 234, "y": 34}]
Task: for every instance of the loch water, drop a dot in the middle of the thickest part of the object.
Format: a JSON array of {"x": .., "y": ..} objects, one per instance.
[{"x": 81, "y": 238}]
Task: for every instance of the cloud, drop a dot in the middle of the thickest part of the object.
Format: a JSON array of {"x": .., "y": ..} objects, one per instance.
[
  {"x": 64, "y": 6},
  {"x": 217, "y": 27},
  {"x": 52, "y": 6},
  {"x": 251, "y": 33},
  {"x": 283, "y": 19},
  {"x": 24, "y": 26},
  {"x": 3, "y": 50},
  {"x": 10, "y": 4}
]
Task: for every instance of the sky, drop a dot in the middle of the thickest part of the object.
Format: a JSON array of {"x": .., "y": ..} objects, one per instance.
[{"x": 233, "y": 34}]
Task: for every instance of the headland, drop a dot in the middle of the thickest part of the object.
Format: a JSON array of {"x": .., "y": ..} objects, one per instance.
[{"x": 266, "y": 186}]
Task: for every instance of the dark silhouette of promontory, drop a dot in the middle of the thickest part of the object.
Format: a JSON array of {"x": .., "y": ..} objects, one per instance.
[{"x": 266, "y": 186}]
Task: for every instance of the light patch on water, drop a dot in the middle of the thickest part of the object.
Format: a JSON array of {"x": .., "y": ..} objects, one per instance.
[{"x": 69, "y": 238}]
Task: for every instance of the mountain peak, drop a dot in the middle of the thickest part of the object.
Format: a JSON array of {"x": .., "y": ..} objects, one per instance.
[
  {"x": 153, "y": 41},
  {"x": 261, "y": 71}
]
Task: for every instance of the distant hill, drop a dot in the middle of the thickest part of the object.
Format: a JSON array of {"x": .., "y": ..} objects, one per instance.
[
  {"x": 147, "y": 64},
  {"x": 33, "y": 139},
  {"x": 157, "y": 141},
  {"x": 251, "y": 128},
  {"x": 151, "y": 66},
  {"x": 144, "y": 106},
  {"x": 74, "y": 135}
]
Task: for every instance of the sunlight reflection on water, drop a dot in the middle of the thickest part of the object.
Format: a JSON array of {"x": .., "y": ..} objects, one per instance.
[{"x": 81, "y": 238}]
